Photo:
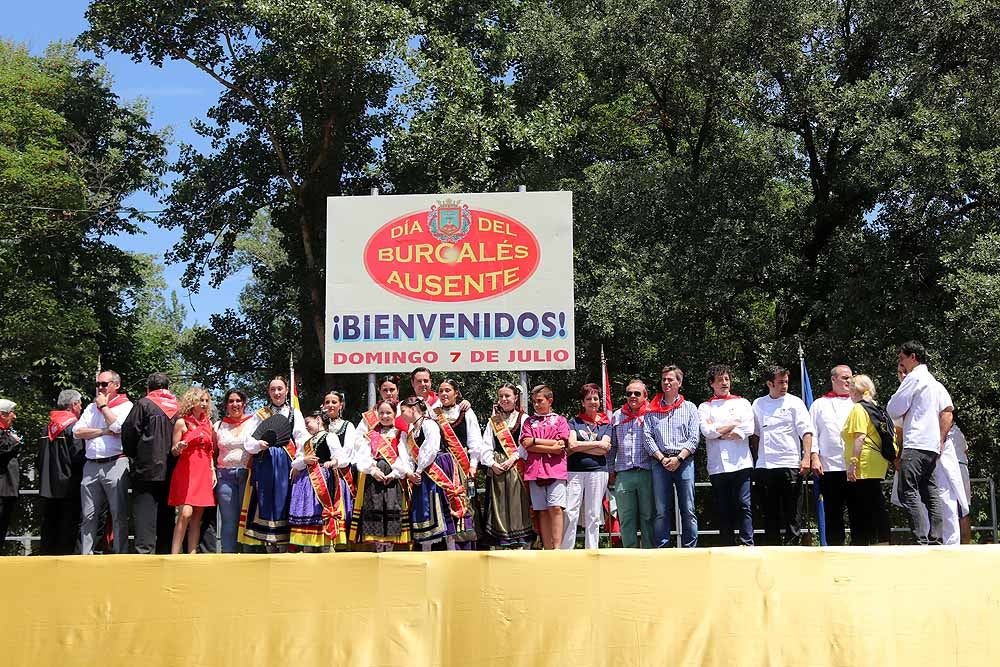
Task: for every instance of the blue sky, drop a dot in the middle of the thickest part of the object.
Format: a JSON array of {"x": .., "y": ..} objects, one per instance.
[{"x": 175, "y": 94}]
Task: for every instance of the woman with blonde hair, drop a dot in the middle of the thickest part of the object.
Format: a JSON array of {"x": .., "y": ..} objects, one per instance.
[
  {"x": 193, "y": 481},
  {"x": 866, "y": 509}
]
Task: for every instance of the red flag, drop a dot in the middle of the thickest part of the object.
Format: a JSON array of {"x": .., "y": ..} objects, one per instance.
[{"x": 605, "y": 384}]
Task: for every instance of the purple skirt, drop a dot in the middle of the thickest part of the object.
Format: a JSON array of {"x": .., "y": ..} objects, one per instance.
[{"x": 305, "y": 508}]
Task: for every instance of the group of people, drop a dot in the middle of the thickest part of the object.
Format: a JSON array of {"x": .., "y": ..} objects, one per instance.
[{"x": 409, "y": 474}]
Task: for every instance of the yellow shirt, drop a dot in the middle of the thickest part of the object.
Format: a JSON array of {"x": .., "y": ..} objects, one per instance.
[{"x": 871, "y": 464}]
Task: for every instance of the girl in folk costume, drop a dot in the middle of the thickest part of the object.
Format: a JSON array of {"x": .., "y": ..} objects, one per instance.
[
  {"x": 381, "y": 511},
  {"x": 264, "y": 518},
  {"x": 507, "y": 505},
  {"x": 317, "y": 513},
  {"x": 234, "y": 431},
  {"x": 333, "y": 406},
  {"x": 440, "y": 504},
  {"x": 194, "y": 475},
  {"x": 460, "y": 428}
]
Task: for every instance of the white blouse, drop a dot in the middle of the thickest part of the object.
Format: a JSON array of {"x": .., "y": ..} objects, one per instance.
[
  {"x": 233, "y": 443},
  {"x": 366, "y": 462},
  {"x": 514, "y": 419}
]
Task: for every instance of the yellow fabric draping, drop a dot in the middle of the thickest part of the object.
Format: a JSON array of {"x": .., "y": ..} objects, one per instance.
[{"x": 739, "y": 606}]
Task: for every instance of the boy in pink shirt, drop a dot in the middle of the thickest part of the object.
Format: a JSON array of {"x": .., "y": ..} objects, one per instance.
[{"x": 545, "y": 437}]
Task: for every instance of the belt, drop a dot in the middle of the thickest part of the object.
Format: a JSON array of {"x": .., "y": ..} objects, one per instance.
[{"x": 106, "y": 459}]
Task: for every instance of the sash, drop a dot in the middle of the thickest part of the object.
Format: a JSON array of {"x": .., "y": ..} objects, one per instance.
[
  {"x": 59, "y": 421},
  {"x": 458, "y": 502},
  {"x": 388, "y": 449},
  {"x": 506, "y": 439},
  {"x": 165, "y": 401},
  {"x": 289, "y": 447},
  {"x": 345, "y": 472},
  {"x": 454, "y": 444},
  {"x": 332, "y": 514},
  {"x": 371, "y": 419}
]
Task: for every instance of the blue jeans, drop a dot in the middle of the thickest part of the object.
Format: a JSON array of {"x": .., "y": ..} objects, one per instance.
[
  {"x": 664, "y": 483},
  {"x": 732, "y": 495},
  {"x": 229, "y": 497}
]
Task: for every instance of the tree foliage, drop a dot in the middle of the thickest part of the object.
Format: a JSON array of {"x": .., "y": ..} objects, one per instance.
[
  {"x": 746, "y": 177},
  {"x": 70, "y": 153},
  {"x": 306, "y": 85}
]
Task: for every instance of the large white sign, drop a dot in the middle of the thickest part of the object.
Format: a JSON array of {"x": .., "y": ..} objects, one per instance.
[{"x": 457, "y": 282}]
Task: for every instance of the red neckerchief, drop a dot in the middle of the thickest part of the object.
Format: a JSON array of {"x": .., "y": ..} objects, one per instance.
[
  {"x": 204, "y": 425},
  {"x": 117, "y": 400},
  {"x": 164, "y": 400},
  {"x": 59, "y": 420},
  {"x": 600, "y": 418},
  {"x": 658, "y": 406},
  {"x": 629, "y": 415},
  {"x": 727, "y": 397},
  {"x": 236, "y": 422},
  {"x": 831, "y": 394}
]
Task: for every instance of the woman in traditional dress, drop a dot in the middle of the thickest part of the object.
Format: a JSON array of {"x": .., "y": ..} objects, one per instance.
[
  {"x": 264, "y": 519},
  {"x": 194, "y": 478},
  {"x": 460, "y": 428},
  {"x": 381, "y": 512},
  {"x": 333, "y": 406},
  {"x": 439, "y": 502},
  {"x": 233, "y": 432},
  {"x": 508, "y": 505},
  {"x": 317, "y": 513}
]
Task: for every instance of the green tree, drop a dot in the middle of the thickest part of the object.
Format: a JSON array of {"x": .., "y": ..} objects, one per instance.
[
  {"x": 306, "y": 87},
  {"x": 70, "y": 153}
]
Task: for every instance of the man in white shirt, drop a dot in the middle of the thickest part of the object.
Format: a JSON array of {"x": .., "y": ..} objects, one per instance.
[
  {"x": 727, "y": 424},
  {"x": 105, "y": 474},
  {"x": 829, "y": 414},
  {"x": 782, "y": 427},
  {"x": 917, "y": 404}
]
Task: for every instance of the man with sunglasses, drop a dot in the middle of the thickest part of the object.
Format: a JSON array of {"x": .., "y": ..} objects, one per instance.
[
  {"x": 105, "y": 474},
  {"x": 147, "y": 436},
  {"x": 629, "y": 465}
]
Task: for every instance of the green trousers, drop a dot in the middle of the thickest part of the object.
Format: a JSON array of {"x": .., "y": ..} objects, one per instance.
[{"x": 634, "y": 496}]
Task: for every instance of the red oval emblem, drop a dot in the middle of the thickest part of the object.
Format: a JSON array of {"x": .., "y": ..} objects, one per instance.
[{"x": 452, "y": 253}]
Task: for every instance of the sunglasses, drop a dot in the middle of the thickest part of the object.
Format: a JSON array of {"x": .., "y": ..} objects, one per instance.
[
  {"x": 633, "y": 393},
  {"x": 102, "y": 385}
]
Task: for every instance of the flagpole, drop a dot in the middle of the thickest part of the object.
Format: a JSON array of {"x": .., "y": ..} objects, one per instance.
[{"x": 817, "y": 492}]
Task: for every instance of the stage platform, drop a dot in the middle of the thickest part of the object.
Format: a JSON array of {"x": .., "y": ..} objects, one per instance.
[{"x": 756, "y": 606}]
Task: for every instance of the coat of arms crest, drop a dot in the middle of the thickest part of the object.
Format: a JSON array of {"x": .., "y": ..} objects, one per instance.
[{"x": 449, "y": 220}]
